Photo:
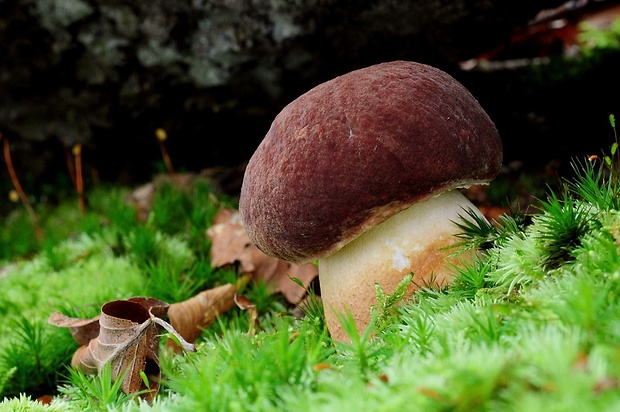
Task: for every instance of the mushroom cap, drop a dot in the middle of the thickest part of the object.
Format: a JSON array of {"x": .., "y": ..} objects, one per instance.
[{"x": 355, "y": 150}]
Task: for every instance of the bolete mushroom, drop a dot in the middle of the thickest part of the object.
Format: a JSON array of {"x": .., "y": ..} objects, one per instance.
[{"x": 361, "y": 173}]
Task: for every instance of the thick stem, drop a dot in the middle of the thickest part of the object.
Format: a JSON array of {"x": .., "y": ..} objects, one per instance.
[{"x": 407, "y": 242}]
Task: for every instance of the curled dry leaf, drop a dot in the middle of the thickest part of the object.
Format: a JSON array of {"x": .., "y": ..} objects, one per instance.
[
  {"x": 231, "y": 245},
  {"x": 127, "y": 332},
  {"x": 128, "y": 339}
]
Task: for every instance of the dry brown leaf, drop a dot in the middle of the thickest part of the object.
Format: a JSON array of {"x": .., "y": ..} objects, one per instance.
[
  {"x": 126, "y": 334},
  {"x": 82, "y": 330},
  {"x": 189, "y": 318},
  {"x": 230, "y": 244},
  {"x": 128, "y": 339},
  {"x": 228, "y": 238}
]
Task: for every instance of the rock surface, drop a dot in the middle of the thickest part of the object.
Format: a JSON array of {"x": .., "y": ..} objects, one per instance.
[{"x": 212, "y": 73}]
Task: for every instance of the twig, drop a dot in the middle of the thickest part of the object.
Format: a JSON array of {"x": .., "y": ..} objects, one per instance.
[
  {"x": 20, "y": 191},
  {"x": 79, "y": 183},
  {"x": 161, "y": 136}
]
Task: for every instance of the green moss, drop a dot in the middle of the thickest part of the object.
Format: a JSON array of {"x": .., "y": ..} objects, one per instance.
[
  {"x": 25, "y": 404},
  {"x": 533, "y": 324}
]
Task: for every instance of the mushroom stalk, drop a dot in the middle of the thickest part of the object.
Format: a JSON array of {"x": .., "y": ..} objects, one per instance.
[
  {"x": 410, "y": 241},
  {"x": 351, "y": 154}
]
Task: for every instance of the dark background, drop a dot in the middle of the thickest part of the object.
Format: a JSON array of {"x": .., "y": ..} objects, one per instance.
[{"x": 213, "y": 74}]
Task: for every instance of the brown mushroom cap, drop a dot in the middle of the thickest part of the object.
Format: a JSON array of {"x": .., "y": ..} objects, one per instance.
[{"x": 355, "y": 150}]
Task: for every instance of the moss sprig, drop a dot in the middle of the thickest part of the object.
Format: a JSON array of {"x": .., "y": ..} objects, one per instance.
[
  {"x": 560, "y": 228},
  {"x": 477, "y": 233}
]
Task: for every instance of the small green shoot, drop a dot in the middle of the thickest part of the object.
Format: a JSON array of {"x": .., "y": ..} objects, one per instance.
[
  {"x": 385, "y": 309},
  {"x": 477, "y": 233},
  {"x": 361, "y": 350},
  {"x": 614, "y": 148},
  {"x": 593, "y": 185},
  {"x": 31, "y": 358},
  {"x": 470, "y": 278},
  {"x": 145, "y": 379},
  {"x": 561, "y": 227},
  {"x": 312, "y": 308},
  {"x": 96, "y": 393},
  {"x": 143, "y": 246},
  {"x": 170, "y": 208},
  {"x": 5, "y": 377},
  {"x": 176, "y": 284}
]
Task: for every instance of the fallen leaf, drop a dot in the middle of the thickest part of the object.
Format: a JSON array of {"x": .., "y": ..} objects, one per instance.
[
  {"x": 190, "y": 317},
  {"x": 127, "y": 333},
  {"x": 82, "y": 330},
  {"x": 321, "y": 366},
  {"x": 45, "y": 399},
  {"x": 128, "y": 339},
  {"x": 228, "y": 238},
  {"x": 230, "y": 244}
]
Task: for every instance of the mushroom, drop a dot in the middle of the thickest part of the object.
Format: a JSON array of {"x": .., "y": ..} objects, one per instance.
[{"x": 361, "y": 173}]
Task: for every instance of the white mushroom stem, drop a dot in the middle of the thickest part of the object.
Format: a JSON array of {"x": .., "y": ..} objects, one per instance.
[{"x": 409, "y": 241}]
